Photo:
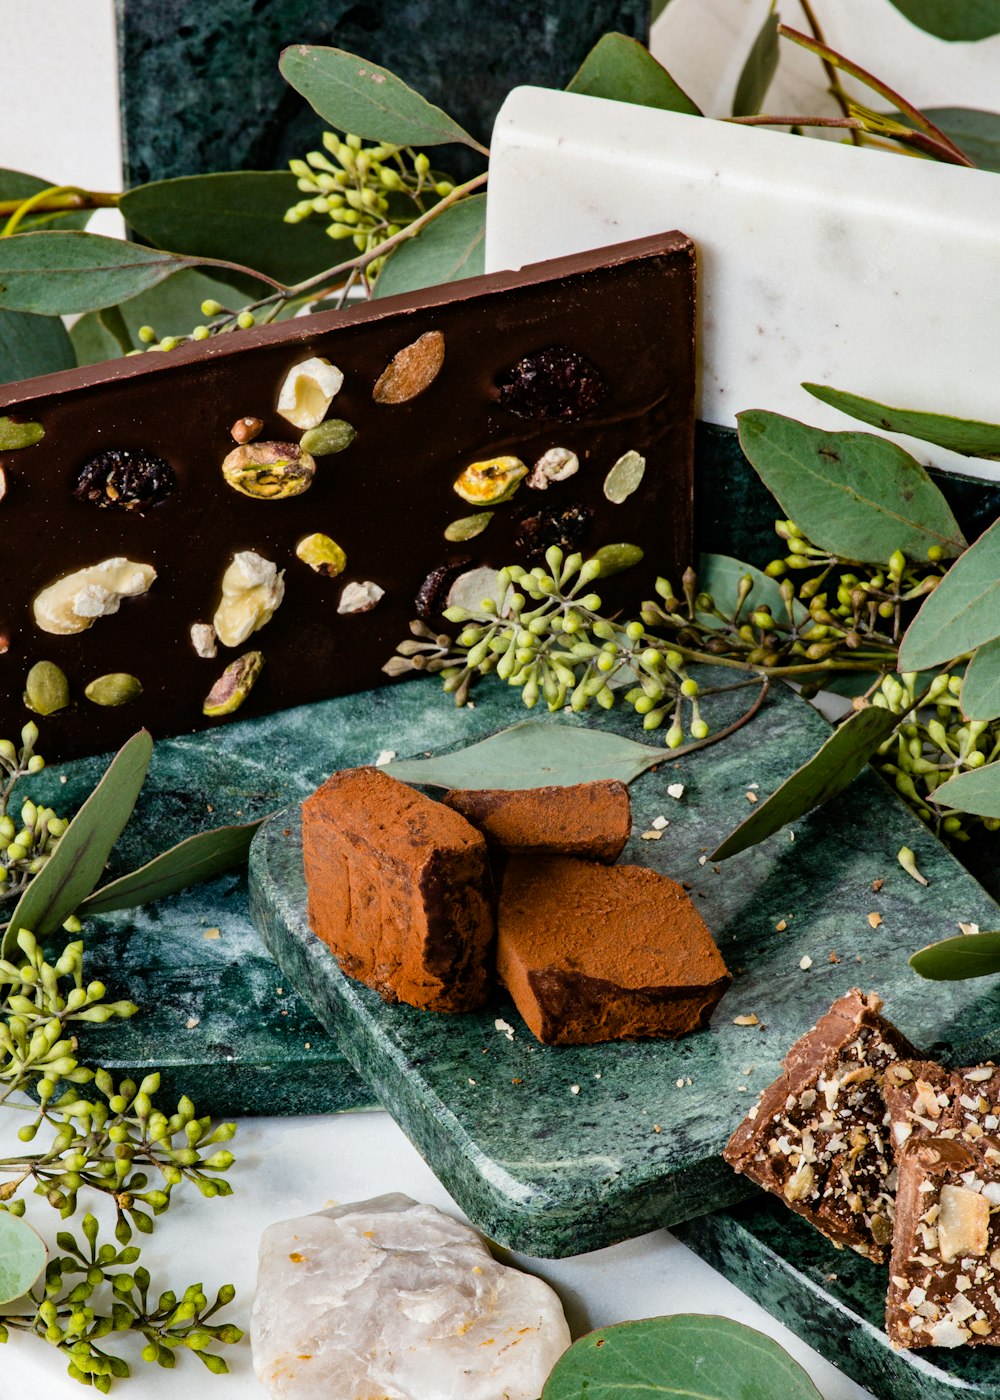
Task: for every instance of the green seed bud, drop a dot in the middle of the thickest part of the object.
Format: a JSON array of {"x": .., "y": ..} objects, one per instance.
[{"x": 211, "y": 308}]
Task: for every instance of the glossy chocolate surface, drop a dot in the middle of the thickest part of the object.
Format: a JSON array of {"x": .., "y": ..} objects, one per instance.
[{"x": 385, "y": 500}]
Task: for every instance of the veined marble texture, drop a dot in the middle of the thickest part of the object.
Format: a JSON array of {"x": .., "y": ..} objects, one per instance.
[{"x": 867, "y": 271}]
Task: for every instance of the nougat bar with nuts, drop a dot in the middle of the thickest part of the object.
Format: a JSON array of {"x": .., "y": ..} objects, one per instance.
[
  {"x": 944, "y": 1277},
  {"x": 818, "y": 1137},
  {"x": 399, "y": 890},
  {"x": 925, "y": 1100},
  {"x": 590, "y": 820}
]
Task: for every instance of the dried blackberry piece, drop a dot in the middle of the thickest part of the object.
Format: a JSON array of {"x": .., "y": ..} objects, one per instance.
[
  {"x": 432, "y": 595},
  {"x": 553, "y": 383},
  {"x": 120, "y": 479},
  {"x": 564, "y": 528}
]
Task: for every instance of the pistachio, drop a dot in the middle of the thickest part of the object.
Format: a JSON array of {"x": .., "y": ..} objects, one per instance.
[
  {"x": 246, "y": 429},
  {"x": 412, "y": 370},
  {"x": 308, "y": 391},
  {"x": 116, "y": 688},
  {"x": 234, "y": 685},
  {"x": 322, "y": 554},
  {"x": 73, "y": 602},
  {"x": 616, "y": 558},
  {"x": 360, "y": 597},
  {"x": 624, "y": 477},
  {"x": 252, "y": 590},
  {"x": 468, "y": 527},
  {"x": 203, "y": 639},
  {"x": 17, "y": 435},
  {"x": 332, "y": 436},
  {"x": 491, "y": 482},
  {"x": 46, "y": 688},
  {"x": 555, "y": 465},
  {"x": 269, "y": 471}
]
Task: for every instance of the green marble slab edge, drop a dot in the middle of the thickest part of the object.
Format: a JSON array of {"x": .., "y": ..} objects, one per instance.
[
  {"x": 834, "y": 1300},
  {"x": 551, "y": 1172}
]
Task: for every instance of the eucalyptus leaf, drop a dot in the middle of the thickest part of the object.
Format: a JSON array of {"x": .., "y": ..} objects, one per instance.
[
  {"x": 955, "y": 959},
  {"x": 720, "y": 575},
  {"x": 976, "y": 791},
  {"x": 356, "y": 96},
  {"x": 966, "y": 435},
  {"x": 826, "y": 774},
  {"x": 962, "y": 613},
  {"x": 976, "y": 132},
  {"x": 22, "y": 1256},
  {"x": 235, "y": 216},
  {"x": 855, "y": 494},
  {"x": 75, "y": 867},
  {"x": 31, "y": 345},
  {"x": 954, "y": 20},
  {"x": 198, "y": 858},
  {"x": 449, "y": 248},
  {"x": 14, "y": 436},
  {"x": 15, "y": 184},
  {"x": 981, "y": 683},
  {"x": 533, "y": 754},
  {"x": 620, "y": 68},
  {"x": 687, "y": 1355},
  {"x": 59, "y": 274},
  {"x": 759, "y": 69}
]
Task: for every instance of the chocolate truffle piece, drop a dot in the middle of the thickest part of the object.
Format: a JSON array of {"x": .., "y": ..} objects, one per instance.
[
  {"x": 399, "y": 890},
  {"x": 819, "y": 1135},
  {"x": 925, "y": 1100},
  {"x": 591, "y": 952},
  {"x": 944, "y": 1278},
  {"x": 592, "y": 820}
]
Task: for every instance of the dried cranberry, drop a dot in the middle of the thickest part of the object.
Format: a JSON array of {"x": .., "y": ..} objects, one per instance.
[
  {"x": 553, "y": 383},
  {"x": 432, "y": 595},
  {"x": 565, "y": 528},
  {"x": 120, "y": 479}
]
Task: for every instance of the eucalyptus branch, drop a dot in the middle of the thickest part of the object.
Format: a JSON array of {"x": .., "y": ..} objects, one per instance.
[
  {"x": 836, "y": 88},
  {"x": 57, "y": 199},
  {"x": 871, "y": 123},
  {"x": 838, "y": 60}
]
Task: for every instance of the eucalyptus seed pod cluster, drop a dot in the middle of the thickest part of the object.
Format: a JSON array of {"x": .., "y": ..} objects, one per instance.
[
  {"x": 369, "y": 193},
  {"x": 29, "y": 834},
  {"x": 543, "y": 633}
]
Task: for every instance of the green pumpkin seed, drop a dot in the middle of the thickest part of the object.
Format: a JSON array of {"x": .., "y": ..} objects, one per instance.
[{"x": 46, "y": 688}]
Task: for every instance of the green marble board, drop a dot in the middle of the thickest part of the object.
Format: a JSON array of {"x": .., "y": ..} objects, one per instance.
[
  {"x": 834, "y": 1300},
  {"x": 558, "y": 1151}
]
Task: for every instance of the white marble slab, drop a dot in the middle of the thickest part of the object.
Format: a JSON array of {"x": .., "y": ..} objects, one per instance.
[{"x": 873, "y": 272}]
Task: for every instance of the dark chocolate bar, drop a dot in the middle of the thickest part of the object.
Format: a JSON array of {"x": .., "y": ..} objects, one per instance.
[{"x": 161, "y": 476}]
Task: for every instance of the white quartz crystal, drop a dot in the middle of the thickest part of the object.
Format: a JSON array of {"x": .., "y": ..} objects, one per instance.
[
  {"x": 871, "y": 272},
  {"x": 391, "y": 1299}
]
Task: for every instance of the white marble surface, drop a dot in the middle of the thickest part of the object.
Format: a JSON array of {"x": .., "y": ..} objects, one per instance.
[
  {"x": 875, "y": 273},
  {"x": 292, "y": 1166}
]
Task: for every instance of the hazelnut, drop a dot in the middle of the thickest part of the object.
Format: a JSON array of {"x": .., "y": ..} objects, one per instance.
[
  {"x": 246, "y": 429},
  {"x": 308, "y": 391},
  {"x": 964, "y": 1223},
  {"x": 75, "y": 601},
  {"x": 252, "y": 590}
]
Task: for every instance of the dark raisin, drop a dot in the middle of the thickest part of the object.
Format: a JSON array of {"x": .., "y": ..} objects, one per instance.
[
  {"x": 564, "y": 528},
  {"x": 119, "y": 479},
  {"x": 432, "y": 594},
  {"x": 553, "y": 383}
]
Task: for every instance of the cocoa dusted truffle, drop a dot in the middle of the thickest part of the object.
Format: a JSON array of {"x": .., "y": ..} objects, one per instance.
[
  {"x": 399, "y": 890},
  {"x": 819, "y": 1135},
  {"x": 591, "y": 952},
  {"x": 591, "y": 820}
]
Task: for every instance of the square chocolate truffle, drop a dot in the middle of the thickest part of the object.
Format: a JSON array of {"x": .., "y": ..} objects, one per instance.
[
  {"x": 944, "y": 1278},
  {"x": 819, "y": 1136},
  {"x": 593, "y": 952},
  {"x": 590, "y": 820},
  {"x": 399, "y": 890}
]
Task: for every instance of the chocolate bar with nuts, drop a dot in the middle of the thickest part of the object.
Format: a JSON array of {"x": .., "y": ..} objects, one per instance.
[
  {"x": 944, "y": 1278},
  {"x": 818, "y": 1137},
  {"x": 925, "y": 1100}
]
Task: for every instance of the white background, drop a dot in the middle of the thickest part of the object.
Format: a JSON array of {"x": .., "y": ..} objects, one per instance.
[{"x": 58, "y": 87}]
